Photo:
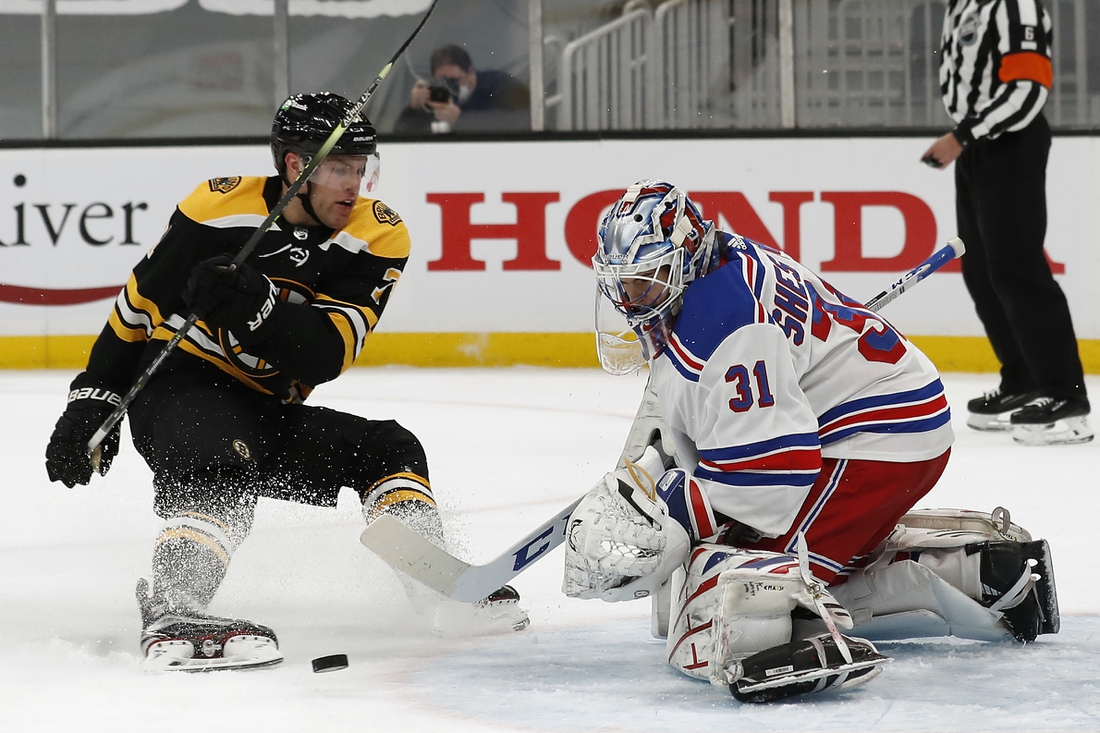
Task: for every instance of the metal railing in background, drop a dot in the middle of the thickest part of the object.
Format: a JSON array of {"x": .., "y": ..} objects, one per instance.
[
  {"x": 721, "y": 64},
  {"x": 607, "y": 77},
  {"x": 661, "y": 64},
  {"x": 1070, "y": 102},
  {"x": 724, "y": 64},
  {"x": 869, "y": 63},
  {"x": 49, "y": 69}
]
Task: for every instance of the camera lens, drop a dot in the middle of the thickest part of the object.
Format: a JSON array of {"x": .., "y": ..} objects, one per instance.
[{"x": 442, "y": 89}]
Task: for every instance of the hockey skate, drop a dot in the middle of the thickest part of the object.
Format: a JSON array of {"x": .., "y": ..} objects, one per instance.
[
  {"x": 802, "y": 667},
  {"x": 497, "y": 613},
  {"x": 195, "y": 642},
  {"x": 1047, "y": 421},
  {"x": 1018, "y": 581},
  {"x": 992, "y": 410},
  {"x": 502, "y": 607}
]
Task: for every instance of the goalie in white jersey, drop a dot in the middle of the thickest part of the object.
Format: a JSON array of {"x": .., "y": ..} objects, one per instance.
[{"x": 786, "y": 433}]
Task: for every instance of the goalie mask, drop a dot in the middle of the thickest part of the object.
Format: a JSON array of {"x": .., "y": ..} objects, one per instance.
[
  {"x": 651, "y": 245},
  {"x": 303, "y": 124}
]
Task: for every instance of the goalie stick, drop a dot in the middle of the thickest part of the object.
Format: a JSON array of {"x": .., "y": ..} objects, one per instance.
[
  {"x": 950, "y": 251},
  {"x": 276, "y": 211},
  {"x": 407, "y": 550}
]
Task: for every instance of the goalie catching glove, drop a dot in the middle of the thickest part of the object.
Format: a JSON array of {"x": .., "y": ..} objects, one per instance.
[{"x": 621, "y": 543}]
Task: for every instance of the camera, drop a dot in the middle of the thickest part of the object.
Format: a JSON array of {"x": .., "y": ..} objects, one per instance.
[{"x": 442, "y": 90}]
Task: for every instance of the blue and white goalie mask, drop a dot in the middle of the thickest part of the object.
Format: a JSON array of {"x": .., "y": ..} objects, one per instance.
[{"x": 651, "y": 245}]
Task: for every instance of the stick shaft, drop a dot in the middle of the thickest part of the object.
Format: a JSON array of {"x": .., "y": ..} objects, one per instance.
[{"x": 950, "y": 251}]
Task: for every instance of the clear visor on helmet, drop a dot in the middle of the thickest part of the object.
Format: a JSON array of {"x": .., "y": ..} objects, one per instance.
[
  {"x": 348, "y": 174},
  {"x": 646, "y": 297},
  {"x": 617, "y": 345}
]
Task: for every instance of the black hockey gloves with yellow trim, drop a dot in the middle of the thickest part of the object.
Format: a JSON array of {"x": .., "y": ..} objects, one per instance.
[
  {"x": 241, "y": 299},
  {"x": 67, "y": 458}
]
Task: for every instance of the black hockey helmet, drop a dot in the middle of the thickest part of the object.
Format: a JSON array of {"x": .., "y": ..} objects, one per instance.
[{"x": 304, "y": 122}]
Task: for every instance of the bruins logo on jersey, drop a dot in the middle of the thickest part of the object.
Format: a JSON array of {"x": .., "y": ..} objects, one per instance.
[
  {"x": 386, "y": 215},
  {"x": 224, "y": 184}
]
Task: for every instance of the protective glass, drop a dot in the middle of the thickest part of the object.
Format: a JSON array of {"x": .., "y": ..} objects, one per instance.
[{"x": 348, "y": 173}]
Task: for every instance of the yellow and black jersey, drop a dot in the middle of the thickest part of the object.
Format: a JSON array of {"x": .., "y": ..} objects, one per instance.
[{"x": 336, "y": 284}]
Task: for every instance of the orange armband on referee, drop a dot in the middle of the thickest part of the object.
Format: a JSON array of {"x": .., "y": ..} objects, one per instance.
[{"x": 1027, "y": 65}]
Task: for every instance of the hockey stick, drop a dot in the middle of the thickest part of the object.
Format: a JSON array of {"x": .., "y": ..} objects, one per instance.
[
  {"x": 405, "y": 549},
  {"x": 950, "y": 251},
  {"x": 276, "y": 211}
]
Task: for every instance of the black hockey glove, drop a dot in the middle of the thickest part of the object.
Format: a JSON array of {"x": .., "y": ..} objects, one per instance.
[
  {"x": 243, "y": 300},
  {"x": 67, "y": 458}
]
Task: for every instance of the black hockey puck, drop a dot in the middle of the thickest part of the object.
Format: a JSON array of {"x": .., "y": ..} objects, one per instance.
[{"x": 331, "y": 663}]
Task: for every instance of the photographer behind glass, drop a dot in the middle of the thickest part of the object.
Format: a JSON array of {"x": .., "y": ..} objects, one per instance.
[{"x": 459, "y": 98}]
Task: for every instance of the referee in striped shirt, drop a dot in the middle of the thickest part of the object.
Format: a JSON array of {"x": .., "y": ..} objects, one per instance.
[{"x": 995, "y": 75}]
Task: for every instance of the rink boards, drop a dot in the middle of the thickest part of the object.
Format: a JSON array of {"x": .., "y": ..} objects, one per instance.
[{"x": 502, "y": 233}]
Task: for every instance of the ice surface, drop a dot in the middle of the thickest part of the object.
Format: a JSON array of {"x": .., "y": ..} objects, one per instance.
[{"x": 507, "y": 448}]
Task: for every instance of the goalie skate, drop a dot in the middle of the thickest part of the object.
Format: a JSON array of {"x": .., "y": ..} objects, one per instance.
[
  {"x": 802, "y": 667},
  {"x": 1018, "y": 580}
]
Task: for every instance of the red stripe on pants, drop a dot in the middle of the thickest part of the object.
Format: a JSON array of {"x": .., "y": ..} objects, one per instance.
[{"x": 866, "y": 503}]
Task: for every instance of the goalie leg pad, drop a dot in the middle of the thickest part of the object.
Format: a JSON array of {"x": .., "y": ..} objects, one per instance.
[
  {"x": 1015, "y": 573},
  {"x": 970, "y": 574},
  {"x": 907, "y": 600},
  {"x": 735, "y": 603},
  {"x": 802, "y": 667},
  {"x": 997, "y": 525}
]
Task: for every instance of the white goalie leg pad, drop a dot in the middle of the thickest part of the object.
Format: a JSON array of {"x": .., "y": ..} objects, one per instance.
[
  {"x": 953, "y": 572},
  {"x": 621, "y": 543},
  {"x": 735, "y": 603},
  {"x": 995, "y": 525},
  {"x": 906, "y": 600}
]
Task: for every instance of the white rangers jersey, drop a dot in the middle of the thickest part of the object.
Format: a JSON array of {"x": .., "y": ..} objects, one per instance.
[{"x": 769, "y": 369}]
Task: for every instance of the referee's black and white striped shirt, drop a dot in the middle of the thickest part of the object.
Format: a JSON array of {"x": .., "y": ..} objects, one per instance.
[{"x": 995, "y": 68}]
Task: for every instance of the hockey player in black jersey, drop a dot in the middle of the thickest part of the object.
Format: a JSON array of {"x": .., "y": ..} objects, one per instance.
[{"x": 222, "y": 421}]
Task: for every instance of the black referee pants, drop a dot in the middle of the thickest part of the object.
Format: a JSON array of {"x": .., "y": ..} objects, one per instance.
[{"x": 1000, "y": 205}]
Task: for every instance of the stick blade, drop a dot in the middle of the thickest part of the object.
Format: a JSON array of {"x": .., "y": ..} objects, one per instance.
[{"x": 406, "y": 550}]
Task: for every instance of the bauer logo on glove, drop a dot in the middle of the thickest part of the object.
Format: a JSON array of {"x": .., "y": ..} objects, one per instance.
[{"x": 266, "y": 309}]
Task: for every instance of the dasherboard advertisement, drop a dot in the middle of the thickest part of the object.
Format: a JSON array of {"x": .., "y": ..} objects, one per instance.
[{"x": 502, "y": 231}]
